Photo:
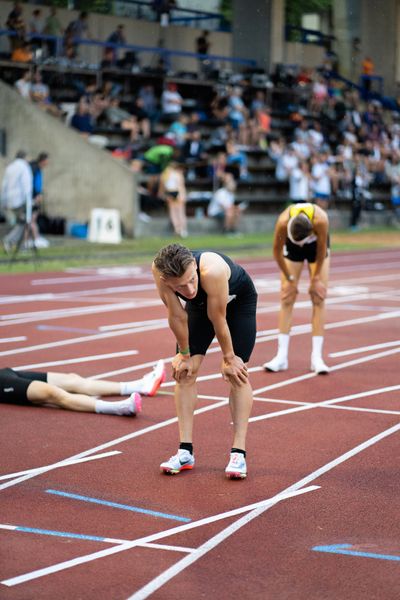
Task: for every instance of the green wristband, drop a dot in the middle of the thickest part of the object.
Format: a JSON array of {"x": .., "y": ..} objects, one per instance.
[{"x": 184, "y": 351}]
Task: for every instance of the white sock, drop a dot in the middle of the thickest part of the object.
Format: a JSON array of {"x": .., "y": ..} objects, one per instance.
[
  {"x": 283, "y": 345},
  {"x": 317, "y": 343},
  {"x": 121, "y": 407},
  {"x": 128, "y": 387}
]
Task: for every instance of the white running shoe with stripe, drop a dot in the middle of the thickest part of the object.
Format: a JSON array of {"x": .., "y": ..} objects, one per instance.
[
  {"x": 152, "y": 381},
  {"x": 237, "y": 468},
  {"x": 181, "y": 461}
]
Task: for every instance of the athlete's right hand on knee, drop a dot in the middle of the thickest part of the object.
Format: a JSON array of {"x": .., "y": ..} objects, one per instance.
[
  {"x": 234, "y": 370},
  {"x": 182, "y": 367}
]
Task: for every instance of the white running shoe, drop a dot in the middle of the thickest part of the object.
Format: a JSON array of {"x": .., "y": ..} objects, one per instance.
[
  {"x": 126, "y": 408},
  {"x": 276, "y": 364},
  {"x": 152, "y": 381},
  {"x": 318, "y": 366},
  {"x": 181, "y": 461},
  {"x": 236, "y": 468}
]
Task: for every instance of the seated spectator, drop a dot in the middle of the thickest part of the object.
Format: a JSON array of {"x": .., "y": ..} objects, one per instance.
[
  {"x": 179, "y": 130},
  {"x": 222, "y": 205},
  {"x": 119, "y": 117},
  {"x": 149, "y": 102},
  {"x": 171, "y": 102},
  {"x": 24, "y": 85},
  {"x": 142, "y": 118},
  {"x": 82, "y": 120},
  {"x": 238, "y": 160},
  {"x": 173, "y": 190},
  {"x": 40, "y": 94},
  {"x": 195, "y": 156},
  {"x": 237, "y": 114},
  {"x": 22, "y": 53},
  {"x": 260, "y": 127}
]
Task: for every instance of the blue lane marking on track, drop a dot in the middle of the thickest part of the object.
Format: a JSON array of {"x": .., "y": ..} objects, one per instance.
[
  {"x": 69, "y": 329},
  {"x": 343, "y": 549},
  {"x": 116, "y": 505},
  {"x": 80, "y": 536}
]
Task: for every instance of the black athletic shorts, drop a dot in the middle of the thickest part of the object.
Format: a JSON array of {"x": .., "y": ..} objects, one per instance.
[
  {"x": 241, "y": 319},
  {"x": 14, "y": 385},
  {"x": 297, "y": 253}
]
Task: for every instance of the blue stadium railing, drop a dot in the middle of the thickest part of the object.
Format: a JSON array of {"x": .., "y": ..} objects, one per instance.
[{"x": 165, "y": 53}]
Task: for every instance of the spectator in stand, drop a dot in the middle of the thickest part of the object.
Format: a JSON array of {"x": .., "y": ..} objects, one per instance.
[
  {"x": 36, "y": 28},
  {"x": 260, "y": 127},
  {"x": 316, "y": 137},
  {"x": 119, "y": 117},
  {"x": 222, "y": 205},
  {"x": 237, "y": 115},
  {"x": 54, "y": 28},
  {"x": 37, "y": 167},
  {"x": 24, "y": 85},
  {"x": 171, "y": 102},
  {"x": 203, "y": 49},
  {"x": 237, "y": 159},
  {"x": 195, "y": 155},
  {"x": 82, "y": 119},
  {"x": 16, "y": 24},
  {"x": 319, "y": 94},
  {"x": 300, "y": 183},
  {"x": 367, "y": 71},
  {"x": 22, "y": 53},
  {"x": 40, "y": 94},
  {"x": 116, "y": 37},
  {"x": 142, "y": 118},
  {"x": 16, "y": 198},
  {"x": 173, "y": 190},
  {"x": 322, "y": 174},
  {"x": 78, "y": 29},
  {"x": 149, "y": 102},
  {"x": 179, "y": 130}
]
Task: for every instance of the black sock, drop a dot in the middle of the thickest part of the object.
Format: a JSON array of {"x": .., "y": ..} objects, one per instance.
[
  {"x": 239, "y": 451},
  {"x": 186, "y": 446}
]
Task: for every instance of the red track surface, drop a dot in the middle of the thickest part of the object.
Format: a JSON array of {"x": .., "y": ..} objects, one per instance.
[{"x": 350, "y": 447}]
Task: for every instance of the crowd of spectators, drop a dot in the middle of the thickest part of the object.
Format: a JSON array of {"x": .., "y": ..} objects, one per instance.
[{"x": 338, "y": 145}]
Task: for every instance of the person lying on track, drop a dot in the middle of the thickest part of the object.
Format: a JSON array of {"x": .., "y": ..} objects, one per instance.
[
  {"x": 219, "y": 300},
  {"x": 73, "y": 392}
]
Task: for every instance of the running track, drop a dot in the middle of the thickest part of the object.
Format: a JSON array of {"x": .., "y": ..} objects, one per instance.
[{"x": 85, "y": 512}]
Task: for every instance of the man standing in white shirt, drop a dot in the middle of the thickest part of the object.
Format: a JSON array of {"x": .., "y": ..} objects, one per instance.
[{"x": 16, "y": 197}]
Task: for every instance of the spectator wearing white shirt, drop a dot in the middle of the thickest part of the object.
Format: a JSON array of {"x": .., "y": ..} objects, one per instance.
[
  {"x": 300, "y": 183},
  {"x": 24, "y": 85},
  {"x": 16, "y": 197},
  {"x": 222, "y": 205},
  {"x": 321, "y": 173},
  {"x": 171, "y": 102}
]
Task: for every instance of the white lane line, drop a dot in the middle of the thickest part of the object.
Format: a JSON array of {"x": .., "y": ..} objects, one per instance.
[
  {"x": 58, "y": 465},
  {"x": 167, "y": 575},
  {"x": 21, "y": 338},
  {"x": 108, "y": 540},
  {"x": 324, "y": 403},
  {"x": 82, "y": 359},
  {"x": 77, "y": 340},
  {"x": 113, "y": 442},
  {"x": 264, "y": 504},
  {"x": 364, "y": 349}
]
